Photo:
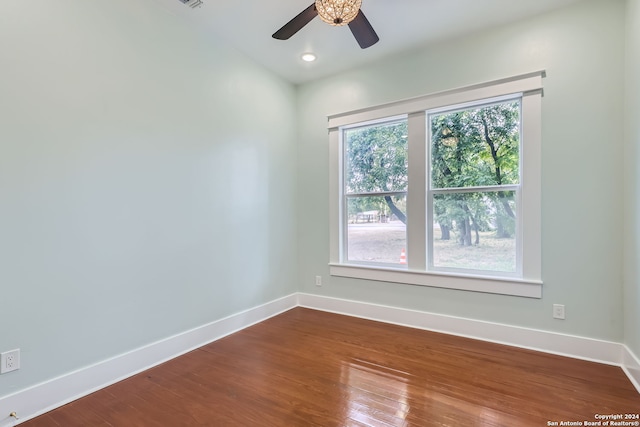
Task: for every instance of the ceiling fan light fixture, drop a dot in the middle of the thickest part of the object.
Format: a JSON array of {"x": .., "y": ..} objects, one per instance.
[{"x": 338, "y": 12}]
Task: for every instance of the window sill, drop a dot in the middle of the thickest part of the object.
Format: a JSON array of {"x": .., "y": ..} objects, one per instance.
[{"x": 494, "y": 285}]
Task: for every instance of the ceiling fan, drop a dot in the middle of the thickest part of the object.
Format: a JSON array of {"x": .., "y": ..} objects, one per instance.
[{"x": 337, "y": 13}]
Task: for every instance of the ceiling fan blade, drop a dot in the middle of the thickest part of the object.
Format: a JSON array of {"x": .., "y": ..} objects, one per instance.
[
  {"x": 296, "y": 24},
  {"x": 363, "y": 31}
]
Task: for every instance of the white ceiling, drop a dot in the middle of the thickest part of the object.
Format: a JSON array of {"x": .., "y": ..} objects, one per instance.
[{"x": 401, "y": 24}]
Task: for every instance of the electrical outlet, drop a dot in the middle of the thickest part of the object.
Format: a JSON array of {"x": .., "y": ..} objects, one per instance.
[
  {"x": 9, "y": 361},
  {"x": 558, "y": 311},
  {"x": 318, "y": 280}
]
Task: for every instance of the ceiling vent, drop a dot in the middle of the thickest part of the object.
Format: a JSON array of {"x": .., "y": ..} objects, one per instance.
[{"x": 192, "y": 3}]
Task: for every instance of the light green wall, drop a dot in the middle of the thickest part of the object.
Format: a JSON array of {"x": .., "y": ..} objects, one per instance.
[
  {"x": 582, "y": 50},
  {"x": 146, "y": 182},
  {"x": 148, "y": 176},
  {"x": 632, "y": 177}
]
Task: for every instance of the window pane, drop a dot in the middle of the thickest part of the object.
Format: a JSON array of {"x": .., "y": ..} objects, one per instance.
[
  {"x": 376, "y": 158},
  {"x": 376, "y": 230},
  {"x": 475, "y": 231},
  {"x": 476, "y": 147}
]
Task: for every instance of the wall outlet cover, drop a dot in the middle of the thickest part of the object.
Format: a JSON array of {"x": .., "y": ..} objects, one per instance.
[
  {"x": 9, "y": 361},
  {"x": 558, "y": 311}
]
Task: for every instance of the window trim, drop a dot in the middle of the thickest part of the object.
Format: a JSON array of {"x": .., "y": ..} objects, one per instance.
[{"x": 529, "y": 86}]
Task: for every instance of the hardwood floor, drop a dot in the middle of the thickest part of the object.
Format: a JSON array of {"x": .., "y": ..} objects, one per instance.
[{"x": 310, "y": 368}]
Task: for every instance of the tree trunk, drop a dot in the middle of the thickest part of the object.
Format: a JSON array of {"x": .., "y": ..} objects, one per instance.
[
  {"x": 445, "y": 232},
  {"x": 504, "y": 199},
  {"x": 494, "y": 151},
  {"x": 502, "y": 219},
  {"x": 475, "y": 228},
  {"x": 467, "y": 236},
  {"x": 464, "y": 227},
  {"x": 500, "y": 231},
  {"x": 469, "y": 222},
  {"x": 394, "y": 209}
]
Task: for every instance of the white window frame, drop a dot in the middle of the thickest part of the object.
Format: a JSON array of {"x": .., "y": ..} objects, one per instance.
[
  {"x": 527, "y": 282},
  {"x": 345, "y": 196}
]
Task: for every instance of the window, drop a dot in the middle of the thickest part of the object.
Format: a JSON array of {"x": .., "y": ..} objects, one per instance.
[
  {"x": 474, "y": 185},
  {"x": 375, "y": 191},
  {"x": 441, "y": 190}
]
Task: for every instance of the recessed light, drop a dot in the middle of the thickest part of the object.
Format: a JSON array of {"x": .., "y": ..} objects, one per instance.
[{"x": 308, "y": 57}]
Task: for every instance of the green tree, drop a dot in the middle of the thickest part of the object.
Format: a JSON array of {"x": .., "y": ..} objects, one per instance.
[
  {"x": 475, "y": 148},
  {"x": 470, "y": 148},
  {"x": 377, "y": 162}
]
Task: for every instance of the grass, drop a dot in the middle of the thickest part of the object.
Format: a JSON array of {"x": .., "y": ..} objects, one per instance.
[
  {"x": 492, "y": 254},
  {"x": 383, "y": 243}
]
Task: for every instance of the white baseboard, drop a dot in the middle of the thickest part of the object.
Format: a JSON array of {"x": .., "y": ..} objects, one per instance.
[
  {"x": 631, "y": 366},
  {"x": 41, "y": 398},
  {"x": 607, "y": 352}
]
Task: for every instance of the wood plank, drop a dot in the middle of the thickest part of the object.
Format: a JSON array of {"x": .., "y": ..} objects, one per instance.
[{"x": 311, "y": 368}]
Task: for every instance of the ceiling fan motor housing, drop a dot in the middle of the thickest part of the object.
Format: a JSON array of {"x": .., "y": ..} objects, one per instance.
[{"x": 338, "y": 12}]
